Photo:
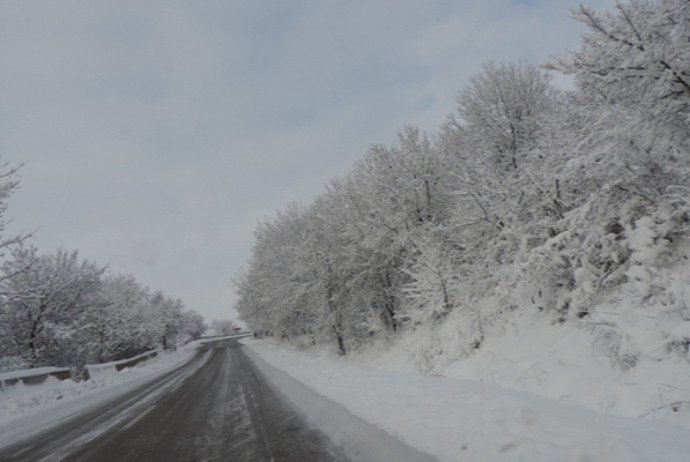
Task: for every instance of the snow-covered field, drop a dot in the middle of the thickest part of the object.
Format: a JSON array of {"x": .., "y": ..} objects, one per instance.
[{"x": 469, "y": 420}]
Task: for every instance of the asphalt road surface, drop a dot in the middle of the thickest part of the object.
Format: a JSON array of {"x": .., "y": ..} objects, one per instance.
[{"x": 225, "y": 411}]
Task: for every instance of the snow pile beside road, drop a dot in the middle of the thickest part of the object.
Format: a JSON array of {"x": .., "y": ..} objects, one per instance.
[
  {"x": 474, "y": 421},
  {"x": 561, "y": 362},
  {"x": 22, "y": 400}
]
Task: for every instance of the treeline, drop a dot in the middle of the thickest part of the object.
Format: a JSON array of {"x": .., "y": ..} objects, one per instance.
[
  {"x": 527, "y": 197},
  {"x": 61, "y": 310}
]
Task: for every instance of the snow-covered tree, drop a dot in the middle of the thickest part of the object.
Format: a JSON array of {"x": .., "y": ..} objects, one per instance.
[
  {"x": 120, "y": 325},
  {"x": 504, "y": 109},
  {"x": 46, "y": 298},
  {"x": 166, "y": 318},
  {"x": 504, "y": 140},
  {"x": 529, "y": 197},
  {"x": 271, "y": 287},
  {"x": 637, "y": 56},
  {"x": 223, "y": 327},
  {"x": 58, "y": 309},
  {"x": 631, "y": 150},
  {"x": 8, "y": 185},
  {"x": 391, "y": 198},
  {"x": 193, "y": 324}
]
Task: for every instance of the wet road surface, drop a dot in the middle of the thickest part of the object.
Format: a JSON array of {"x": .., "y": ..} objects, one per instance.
[{"x": 225, "y": 411}]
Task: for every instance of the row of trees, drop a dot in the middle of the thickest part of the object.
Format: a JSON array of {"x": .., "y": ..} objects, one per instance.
[
  {"x": 60, "y": 310},
  {"x": 528, "y": 196}
]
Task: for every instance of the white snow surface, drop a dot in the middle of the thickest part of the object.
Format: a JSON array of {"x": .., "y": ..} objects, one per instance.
[
  {"x": 471, "y": 420},
  {"x": 450, "y": 418},
  {"x": 562, "y": 362},
  {"x": 21, "y": 400}
]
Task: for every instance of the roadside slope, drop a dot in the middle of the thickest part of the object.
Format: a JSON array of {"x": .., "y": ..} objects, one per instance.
[{"x": 473, "y": 421}]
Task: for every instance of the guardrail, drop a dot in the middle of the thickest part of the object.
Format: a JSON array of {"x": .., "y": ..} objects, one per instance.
[
  {"x": 33, "y": 376},
  {"x": 42, "y": 375},
  {"x": 224, "y": 337},
  {"x": 93, "y": 370},
  {"x": 206, "y": 340}
]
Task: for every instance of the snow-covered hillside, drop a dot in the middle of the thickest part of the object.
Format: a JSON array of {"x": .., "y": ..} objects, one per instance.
[
  {"x": 465, "y": 420},
  {"x": 581, "y": 361},
  {"x": 539, "y": 241},
  {"x": 610, "y": 386}
]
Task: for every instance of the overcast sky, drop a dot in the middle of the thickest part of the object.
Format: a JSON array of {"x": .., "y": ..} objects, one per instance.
[{"x": 155, "y": 134}]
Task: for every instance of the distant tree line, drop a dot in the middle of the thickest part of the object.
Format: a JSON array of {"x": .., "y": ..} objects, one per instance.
[
  {"x": 61, "y": 310},
  {"x": 527, "y": 197},
  {"x": 223, "y": 327}
]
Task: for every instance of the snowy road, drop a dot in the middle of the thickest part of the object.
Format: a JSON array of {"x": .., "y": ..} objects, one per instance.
[{"x": 226, "y": 410}]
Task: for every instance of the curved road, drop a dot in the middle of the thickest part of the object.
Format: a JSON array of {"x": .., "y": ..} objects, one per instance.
[{"x": 225, "y": 411}]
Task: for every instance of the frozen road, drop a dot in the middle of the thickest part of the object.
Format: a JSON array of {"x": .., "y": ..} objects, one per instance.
[{"x": 225, "y": 411}]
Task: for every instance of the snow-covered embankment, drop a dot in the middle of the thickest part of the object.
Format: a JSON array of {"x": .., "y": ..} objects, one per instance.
[{"x": 458, "y": 420}]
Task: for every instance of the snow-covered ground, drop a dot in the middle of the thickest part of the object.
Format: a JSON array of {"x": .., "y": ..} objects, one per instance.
[
  {"x": 22, "y": 401},
  {"x": 562, "y": 362},
  {"x": 470, "y": 420},
  {"x": 451, "y": 419}
]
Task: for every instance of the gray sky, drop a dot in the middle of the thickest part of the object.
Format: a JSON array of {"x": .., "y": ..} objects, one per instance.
[{"x": 156, "y": 133}]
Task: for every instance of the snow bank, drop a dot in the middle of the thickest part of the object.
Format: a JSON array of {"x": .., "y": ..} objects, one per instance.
[
  {"x": 461, "y": 420},
  {"x": 18, "y": 383},
  {"x": 627, "y": 356},
  {"x": 22, "y": 400},
  {"x": 561, "y": 362},
  {"x": 360, "y": 440},
  {"x": 41, "y": 379}
]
